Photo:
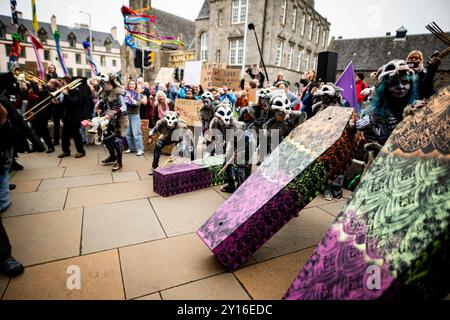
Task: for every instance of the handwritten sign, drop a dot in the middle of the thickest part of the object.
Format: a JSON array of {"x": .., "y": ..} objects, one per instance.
[
  {"x": 252, "y": 95},
  {"x": 207, "y": 73},
  {"x": 230, "y": 78},
  {"x": 188, "y": 110},
  {"x": 165, "y": 75},
  {"x": 193, "y": 73}
]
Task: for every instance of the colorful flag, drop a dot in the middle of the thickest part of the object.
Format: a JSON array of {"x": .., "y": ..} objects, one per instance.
[
  {"x": 87, "y": 49},
  {"x": 35, "y": 21},
  {"x": 36, "y": 46},
  {"x": 56, "y": 37},
  {"x": 347, "y": 83}
]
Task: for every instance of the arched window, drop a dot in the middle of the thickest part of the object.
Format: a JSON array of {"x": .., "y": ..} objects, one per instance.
[
  {"x": 204, "y": 46},
  {"x": 108, "y": 45},
  {"x": 72, "y": 40},
  {"x": 22, "y": 31},
  {"x": 42, "y": 34}
]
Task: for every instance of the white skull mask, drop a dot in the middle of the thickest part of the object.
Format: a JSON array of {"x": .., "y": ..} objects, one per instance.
[
  {"x": 264, "y": 94},
  {"x": 224, "y": 113},
  {"x": 394, "y": 67},
  {"x": 281, "y": 103},
  {"x": 208, "y": 96},
  {"x": 327, "y": 89},
  {"x": 171, "y": 119}
]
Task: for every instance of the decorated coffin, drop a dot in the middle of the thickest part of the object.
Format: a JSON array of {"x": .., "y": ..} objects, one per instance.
[
  {"x": 392, "y": 239},
  {"x": 302, "y": 165},
  {"x": 187, "y": 177}
]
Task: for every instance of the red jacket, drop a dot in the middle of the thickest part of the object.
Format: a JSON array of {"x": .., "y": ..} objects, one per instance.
[{"x": 360, "y": 86}]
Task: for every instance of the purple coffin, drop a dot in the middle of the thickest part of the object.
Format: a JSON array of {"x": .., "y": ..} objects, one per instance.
[{"x": 302, "y": 165}]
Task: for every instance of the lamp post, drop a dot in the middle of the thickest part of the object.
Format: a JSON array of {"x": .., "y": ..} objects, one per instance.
[{"x": 90, "y": 28}]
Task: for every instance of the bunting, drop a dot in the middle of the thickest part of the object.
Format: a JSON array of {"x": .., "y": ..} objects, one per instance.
[{"x": 56, "y": 37}]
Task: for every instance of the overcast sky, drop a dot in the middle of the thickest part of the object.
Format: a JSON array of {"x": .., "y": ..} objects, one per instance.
[{"x": 349, "y": 18}]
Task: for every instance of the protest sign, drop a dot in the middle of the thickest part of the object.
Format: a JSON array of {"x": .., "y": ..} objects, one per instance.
[
  {"x": 188, "y": 110},
  {"x": 207, "y": 73},
  {"x": 230, "y": 78},
  {"x": 165, "y": 75},
  {"x": 193, "y": 73}
]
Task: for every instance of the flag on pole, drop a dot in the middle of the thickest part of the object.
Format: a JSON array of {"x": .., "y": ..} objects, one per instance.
[
  {"x": 56, "y": 37},
  {"x": 36, "y": 46},
  {"x": 347, "y": 83},
  {"x": 87, "y": 49},
  {"x": 35, "y": 21},
  {"x": 14, "y": 13}
]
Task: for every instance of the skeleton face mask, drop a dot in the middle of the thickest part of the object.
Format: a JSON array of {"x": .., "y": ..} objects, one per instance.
[
  {"x": 281, "y": 104},
  {"x": 207, "y": 96},
  {"x": 224, "y": 114},
  {"x": 327, "y": 90},
  {"x": 394, "y": 67},
  {"x": 171, "y": 119},
  {"x": 264, "y": 94}
]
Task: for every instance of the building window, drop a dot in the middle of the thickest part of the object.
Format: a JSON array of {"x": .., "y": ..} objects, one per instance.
[
  {"x": 72, "y": 40},
  {"x": 70, "y": 71},
  {"x": 303, "y": 24},
  {"x": 78, "y": 58},
  {"x": 108, "y": 45},
  {"x": 310, "y": 31},
  {"x": 289, "y": 57},
  {"x": 220, "y": 18},
  {"x": 324, "y": 38},
  {"x": 283, "y": 12},
  {"x": 2, "y": 31},
  {"x": 79, "y": 72},
  {"x": 315, "y": 62},
  {"x": 236, "y": 52},
  {"x": 308, "y": 59},
  {"x": 47, "y": 55},
  {"x": 114, "y": 62},
  {"x": 299, "y": 61},
  {"x": 22, "y": 52},
  {"x": 42, "y": 34},
  {"x": 22, "y": 31},
  {"x": 88, "y": 73},
  {"x": 279, "y": 55},
  {"x": 218, "y": 57},
  {"x": 238, "y": 11},
  {"x": 103, "y": 61},
  {"x": 318, "y": 35},
  {"x": 294, "y": 19},
  {"x": 204, "y": 47}
]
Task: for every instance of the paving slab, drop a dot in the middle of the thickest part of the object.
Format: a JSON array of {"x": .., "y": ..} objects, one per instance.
[
  {"x": 36, "y": 202},
  {"x": 38, "y": 174},
  {"x": 119, "y": 224},
  {"x": 109, "y": 193},
  {"x": 220, "y": 287},
  {"x": 74, "y": 182},
  {"x": 302, "y": 232},
  {"x": 26, "y": 186},
  {"x": 334, "y": 208},
  {"x": 186, "y": 213},
  {"x": 125, "y": 176},
  {"x": 45, "y": 237},
  {"x": 151, "y": 267},
  {"x": 99, "y": 274},
  {"x": 271, "y": 279}
]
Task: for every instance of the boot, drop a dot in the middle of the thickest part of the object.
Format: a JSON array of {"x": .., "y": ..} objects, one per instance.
[
  {"x": 109, "y": 160},
  {"x": 11, "y": 267}
]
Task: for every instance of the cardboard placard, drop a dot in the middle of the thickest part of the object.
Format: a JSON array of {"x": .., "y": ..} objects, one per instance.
[
  {"x": 188, "y": 110},
  {"x": 193, "y": 73},
  {"x": 207, "y": 73},
  {"x": 230, "y": 78},
  {"x": 165, "y": 75},
  {"x": 252, "y": 95}
]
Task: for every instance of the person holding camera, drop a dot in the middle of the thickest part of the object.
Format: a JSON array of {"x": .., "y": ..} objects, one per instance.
[{"x": 426, "y": 74}]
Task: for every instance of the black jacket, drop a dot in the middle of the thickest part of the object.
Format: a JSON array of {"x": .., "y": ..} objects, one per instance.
[{"x": 72, "y": 107}]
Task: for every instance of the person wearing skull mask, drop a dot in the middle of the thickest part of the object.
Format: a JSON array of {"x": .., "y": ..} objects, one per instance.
[
  {"x": 172, "y": 130},
  {"x": 206, "y": 112},
  {"x": 112, "y": 101},
  {"x": 236, "y": 143},
  {"x": 397, "y": 88},
  {"x": 284, "y": 119},
  {"x": 329, "y": 96}
]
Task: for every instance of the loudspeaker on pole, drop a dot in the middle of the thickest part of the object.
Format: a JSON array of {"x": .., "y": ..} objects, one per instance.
[{"x": 327, "y": 66}]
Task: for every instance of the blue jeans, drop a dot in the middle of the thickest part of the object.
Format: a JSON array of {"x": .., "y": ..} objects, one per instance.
[
  {"x": 4, "y": 179},
  {"x": 134, "y": 134}
]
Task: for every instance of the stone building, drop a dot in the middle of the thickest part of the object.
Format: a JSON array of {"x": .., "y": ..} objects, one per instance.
[
  {"x": 169, "y": 25},
  {"x": 291, "y": 34},
  {"x": 106, "y": 49},
  {"x": 369, "y": 54}
]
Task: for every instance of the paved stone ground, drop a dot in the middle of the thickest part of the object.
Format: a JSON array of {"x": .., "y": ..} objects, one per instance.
[{"x": 131, "y": 243}]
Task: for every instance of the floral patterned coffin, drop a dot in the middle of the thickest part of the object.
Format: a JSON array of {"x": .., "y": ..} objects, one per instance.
[
  {"x": 392, "y": 240},
  {"x": 187, "y": 177},
  {"x": 313, "y": 154}
]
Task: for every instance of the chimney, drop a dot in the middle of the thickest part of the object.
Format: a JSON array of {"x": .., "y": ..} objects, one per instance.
[
  {"x": 401, "y": 34},
  {"x": 388, "y": 34},
  {"x": 340, "y": 38},
  {"x": 53, "y": 21},
  {"x": 114, "y": 32}
]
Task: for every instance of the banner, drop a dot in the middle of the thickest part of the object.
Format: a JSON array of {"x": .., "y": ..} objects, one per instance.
[
  {"x": 36, "y": 46},
  {"x": 192, "y": 73},
  {"x": 230, "y": 78},
  {"x": 87, "y": 49},
  {"x": 165, "y": 75},
  {"x": 347, "y": 83},
  {"x": 35, "y": 20},
  {"x": 188, "y": 110},
  {"x": 207, "y": 73}
]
